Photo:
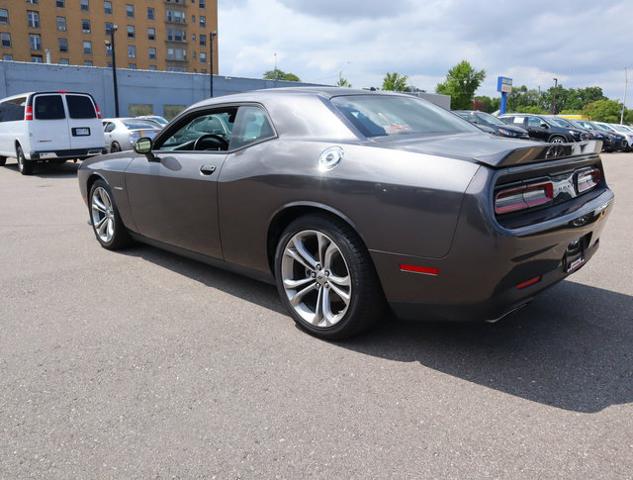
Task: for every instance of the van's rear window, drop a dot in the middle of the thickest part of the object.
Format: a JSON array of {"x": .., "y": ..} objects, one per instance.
[
  {"x": 49, "y": 107},
  {"x": 80, "y": 106}
]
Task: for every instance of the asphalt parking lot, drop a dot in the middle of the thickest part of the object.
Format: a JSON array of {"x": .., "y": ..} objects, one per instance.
[{"x": 142, "y": 364}]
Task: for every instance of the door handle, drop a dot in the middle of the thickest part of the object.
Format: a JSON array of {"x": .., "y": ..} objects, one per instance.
[{"x": 207, "y": 169}]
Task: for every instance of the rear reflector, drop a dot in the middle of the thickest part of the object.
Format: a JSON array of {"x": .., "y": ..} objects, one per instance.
[
  {"x": 420, "y": 269},
  {"x": 28, "y": 113},
  {"x": 587, "y": 179},
  {"x": 529, "y": 283},
  {"x": 525, "y": 196}
]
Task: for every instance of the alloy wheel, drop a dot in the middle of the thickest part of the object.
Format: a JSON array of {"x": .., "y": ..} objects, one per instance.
[
  {"x": 557, "y": 140},
  {"x": 102, "y": 210},
  {"x": 316, "y": 278}
]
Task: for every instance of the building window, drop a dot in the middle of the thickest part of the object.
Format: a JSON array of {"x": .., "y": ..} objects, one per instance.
[
  {"x": 64, "y": 61},
  {"x": 4, "y": 16},
  {"x": 60, "y": 4},
  {"x": 108, "y": 27},
  {"x": 35, "y": 41},
  {"x": 88, "y": 63},
  {"x": 84, "y": 5},
  {"x": 85, "y": 25},
  {"x": 5, "y": 39},
  {"x": 37, "y": 59},
  {"x": 129, "y": 10},
  {"x": 131, "y": 51},
  {"x": 151, "y": 53},
  {"x": 203, "y": 4},
  {"x": 61, "y": 24},
  {"x": 131, "y": 31},
  {"x": 203, "y": 57},
  {"x": 108, "y": 49},
  {"x": 132, "y": 66},
  {"x": 193, "y": 19},
  {"x": 175, "y": 35},
  {"x": 63, "y": 44},
  {"x": 33, "y": 2},
  {"x": 87, "y": 47},
  {"x": 151, "y": 13},
  {"x": 176, "y": 54},
  {"x": 107, "y": 7},
  {"x": 175, "y": 16},
  {"x": 203, "y": 21},
  {"x": 33, "y": 19},
  {"x": 151, "y": 33},
  {"x": 203, "y": 39}
]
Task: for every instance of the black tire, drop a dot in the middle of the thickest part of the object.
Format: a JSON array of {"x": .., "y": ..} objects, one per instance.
[
  {"x": 557, "y": 139},
  {"x": 26, "y": 167},
  {"x": 121, "y": 237},
  {"x": 3, "y": 161},
  {"x": 367, "y": 301},
  {"x": 115, "y": 147}
]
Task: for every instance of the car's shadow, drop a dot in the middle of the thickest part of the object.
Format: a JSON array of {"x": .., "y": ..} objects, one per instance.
[
  {"x": 572, "y": 348},
  {"x": 48, "y": 170}
]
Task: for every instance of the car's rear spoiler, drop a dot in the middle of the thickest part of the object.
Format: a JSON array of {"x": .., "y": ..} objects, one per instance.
[{"x": 539, "y": 153}]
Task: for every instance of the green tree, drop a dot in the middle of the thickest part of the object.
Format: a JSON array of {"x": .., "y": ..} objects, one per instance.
[
  {"x": 278, "y": 74},
  {"x": 395, "y": 82},
  {"x": 486, "y": 104},
  {"x": 604, "y": 111},
  {"x": 523, "y": 97},
  {"x": 462, "y": 81},
  {"x": 343, "y": 82}
]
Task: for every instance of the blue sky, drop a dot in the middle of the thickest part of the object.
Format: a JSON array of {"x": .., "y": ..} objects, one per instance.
[{"x": 580, "y": 42}]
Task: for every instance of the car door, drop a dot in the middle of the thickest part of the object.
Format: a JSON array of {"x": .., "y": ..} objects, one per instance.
[
  {"x": 85, "y": 128},
  {"x": 173, "y": 192},
  {"x": 536, "y": 128},
  {"x": 107, "y": 133},
  {"x": 48, "y": 130}
]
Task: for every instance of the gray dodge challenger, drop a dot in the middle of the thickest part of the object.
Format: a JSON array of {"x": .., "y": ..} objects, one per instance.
[{"x": 353, "y": 202}]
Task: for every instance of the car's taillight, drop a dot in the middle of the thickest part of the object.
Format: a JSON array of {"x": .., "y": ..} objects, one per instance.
[
  {"x": 28, "y": 113},
  {"x": 97, "y": 110},
  {"x": 587, "y": 179},
  {"x": 523, "y": 197}
]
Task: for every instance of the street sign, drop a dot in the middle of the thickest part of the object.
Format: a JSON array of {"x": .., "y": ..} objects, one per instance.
[{"x": 504, "y": 84}]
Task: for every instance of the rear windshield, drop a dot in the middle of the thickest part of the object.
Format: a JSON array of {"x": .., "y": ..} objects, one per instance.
[
  {"x": 385, "y": 115},
  {"x": 80, "y": 106},
  {"x": 138, "y": 125},
  {"x": 49, "y": 107}
]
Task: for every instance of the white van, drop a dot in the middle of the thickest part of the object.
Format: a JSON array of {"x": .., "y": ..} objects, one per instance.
[{"x": 54, "y": 127}]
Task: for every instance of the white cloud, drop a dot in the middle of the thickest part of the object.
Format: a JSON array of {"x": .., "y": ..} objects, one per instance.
[{"x": 581, "y": 42}]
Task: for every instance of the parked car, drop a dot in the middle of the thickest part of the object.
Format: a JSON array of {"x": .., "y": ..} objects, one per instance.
[
  {"x": 610, "y": 141},
  {"x": 121, "y": 133},
  {"x": 346, "y": 198},
  {"x": 492, "y": 124},
  {"x": 626, "y": 132},
  {"x": 545, "y": 128},
  {"x": 157, "y": 119},
  {"x": 620, "y": 142},
  {"x": 40, "y": 127}
]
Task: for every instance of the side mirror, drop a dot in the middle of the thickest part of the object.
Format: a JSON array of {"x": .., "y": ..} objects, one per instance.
[
  {"x": 143, "y": 145},
  {"x": 544, "y": 125}
]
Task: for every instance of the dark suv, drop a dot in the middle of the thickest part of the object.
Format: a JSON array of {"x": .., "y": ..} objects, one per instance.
[{"x": 546, "y": 128}]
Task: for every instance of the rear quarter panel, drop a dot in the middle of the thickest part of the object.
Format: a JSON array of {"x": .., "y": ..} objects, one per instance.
[{"x": 397, "y": 201}]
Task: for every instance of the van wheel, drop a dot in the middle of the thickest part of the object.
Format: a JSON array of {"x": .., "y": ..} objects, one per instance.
[
  {"x": 115, "y": 147},
  {"x": 3, "y": 161},
  {"x": 24, "y": 166}
]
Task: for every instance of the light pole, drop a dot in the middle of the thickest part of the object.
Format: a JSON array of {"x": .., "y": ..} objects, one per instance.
[
  {"x": 626, "y": 86},
  {"x": 212, "y": 35},
  {"x": 554, "y": 96},
  {"x": 114, "y": 80}
]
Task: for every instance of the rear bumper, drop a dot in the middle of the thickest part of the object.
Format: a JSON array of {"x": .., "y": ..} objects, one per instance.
[
  {"x": 481, "y": 278},
  {"x": 44, "y": 155}
]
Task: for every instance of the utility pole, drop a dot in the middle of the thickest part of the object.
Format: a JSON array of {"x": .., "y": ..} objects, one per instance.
[
  {"x": 554, "y": 97},
  {"x": 626, "y": 86},
  {"x": 114, "y": 79},
  {"x": 212, "y": 35}
]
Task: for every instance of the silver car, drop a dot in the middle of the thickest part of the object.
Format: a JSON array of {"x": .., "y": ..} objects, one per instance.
[{"x": 122, "y": 133}]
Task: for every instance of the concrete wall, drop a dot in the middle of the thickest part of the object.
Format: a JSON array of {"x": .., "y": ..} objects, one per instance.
[{"x": 135, "y": 86}]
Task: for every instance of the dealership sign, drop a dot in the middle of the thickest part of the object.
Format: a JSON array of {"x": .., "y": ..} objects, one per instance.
[{"x": 504, "y": 85}]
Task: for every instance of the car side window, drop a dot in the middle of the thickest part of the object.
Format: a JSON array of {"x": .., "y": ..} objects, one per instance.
[
  {"x": 109, "y": 127},
  {"x": 519, "y": 121},
  {"x": 534, "y": 122},
  {"x": 251, "y": 126},
  {"x": 209, "y": 130}
]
